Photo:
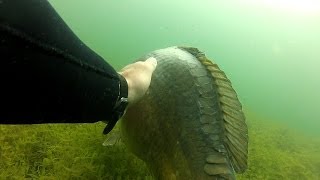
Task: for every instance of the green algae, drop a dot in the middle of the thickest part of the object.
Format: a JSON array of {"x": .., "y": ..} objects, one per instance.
[
  {"x": 64, "y": 152},
  {"x": 278, "y": 152},
  {"x": 76, "y": 152}
]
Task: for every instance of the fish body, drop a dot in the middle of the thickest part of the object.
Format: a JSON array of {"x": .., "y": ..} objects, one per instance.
[{"x": 189, "y": 124}]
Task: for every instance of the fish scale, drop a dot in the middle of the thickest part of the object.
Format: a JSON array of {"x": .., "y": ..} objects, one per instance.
[{"x": 180, "y": 127}]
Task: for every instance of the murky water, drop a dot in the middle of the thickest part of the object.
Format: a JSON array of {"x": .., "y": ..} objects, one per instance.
[{"x": 268, "y": 49}]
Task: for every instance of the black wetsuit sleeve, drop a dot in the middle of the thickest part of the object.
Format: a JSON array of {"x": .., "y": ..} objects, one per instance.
[{"x": 47, "y": 74}]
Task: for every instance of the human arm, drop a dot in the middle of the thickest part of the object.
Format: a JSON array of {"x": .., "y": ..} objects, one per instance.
[{"x": 47, "y": 74}]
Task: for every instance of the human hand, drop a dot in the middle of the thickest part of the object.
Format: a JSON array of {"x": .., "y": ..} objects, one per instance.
[{"x": 138, "y": 76}]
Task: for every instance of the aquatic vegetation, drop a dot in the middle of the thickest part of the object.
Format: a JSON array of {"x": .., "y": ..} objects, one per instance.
[
  {"x": 64, "y": 152},
  {"x": 278, "y": 152},
  {"x": 76, "y": 152}
]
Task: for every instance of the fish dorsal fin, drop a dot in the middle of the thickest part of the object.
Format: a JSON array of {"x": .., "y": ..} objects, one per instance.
[{"x": 235, "y": 128}]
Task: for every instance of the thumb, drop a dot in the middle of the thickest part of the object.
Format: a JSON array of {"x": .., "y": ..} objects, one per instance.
[{"x": 151, "y": 63}]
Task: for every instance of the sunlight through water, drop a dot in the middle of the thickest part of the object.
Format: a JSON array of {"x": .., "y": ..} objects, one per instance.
[{"x": 303, "y": 7}]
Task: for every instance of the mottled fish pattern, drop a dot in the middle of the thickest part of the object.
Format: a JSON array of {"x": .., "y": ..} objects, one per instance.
[{"x": 190, "y": 123}]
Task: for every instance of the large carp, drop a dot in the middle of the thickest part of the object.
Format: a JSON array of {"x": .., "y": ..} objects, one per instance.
[{"x": 189, "y": 124}]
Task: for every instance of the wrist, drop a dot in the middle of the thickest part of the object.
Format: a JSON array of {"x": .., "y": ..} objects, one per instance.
[
  {"x": 123, "y": 99},
  {"x": 130, "y": 86},
  {"x": 120, "y": 104}
]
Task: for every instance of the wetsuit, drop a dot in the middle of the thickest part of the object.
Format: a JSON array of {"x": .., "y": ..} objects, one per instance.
[{"x": 48, "y": 75}]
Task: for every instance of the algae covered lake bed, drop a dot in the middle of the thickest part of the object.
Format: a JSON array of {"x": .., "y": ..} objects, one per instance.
[{"x": 76, "y": 152}]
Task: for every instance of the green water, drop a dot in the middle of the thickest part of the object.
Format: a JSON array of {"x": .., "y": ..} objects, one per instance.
[{"x": 270, "y": 51}]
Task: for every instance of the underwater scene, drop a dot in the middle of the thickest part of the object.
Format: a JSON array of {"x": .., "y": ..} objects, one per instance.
[{"x": 268, "y": 49}]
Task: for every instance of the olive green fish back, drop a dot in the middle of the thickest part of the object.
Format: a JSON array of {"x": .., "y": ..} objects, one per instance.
[{"x": 235, "y": 128}]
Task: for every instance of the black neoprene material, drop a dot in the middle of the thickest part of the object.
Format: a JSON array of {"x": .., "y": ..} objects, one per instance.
[{"x": 47, "y": 74}]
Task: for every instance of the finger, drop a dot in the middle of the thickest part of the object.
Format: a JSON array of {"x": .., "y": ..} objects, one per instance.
[{"x": 152, "y": 63}]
